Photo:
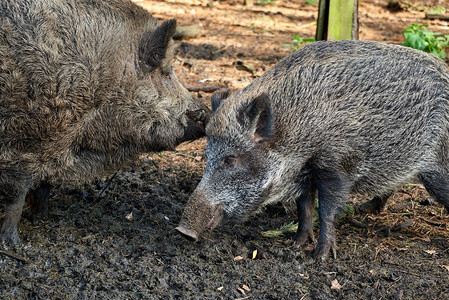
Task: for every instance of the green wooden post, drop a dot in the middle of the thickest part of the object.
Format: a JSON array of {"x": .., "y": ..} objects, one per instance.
[
  {"x": 337, "y": 20},
  {"x": 321, "y": 24}
]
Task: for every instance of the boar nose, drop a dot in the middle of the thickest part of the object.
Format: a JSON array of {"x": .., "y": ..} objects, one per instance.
[
  {"x": 186, "y": 232},
  {"x": 199, "y": 215}
]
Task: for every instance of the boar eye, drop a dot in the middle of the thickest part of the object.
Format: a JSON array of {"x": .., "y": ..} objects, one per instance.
[{"x": 230, "y": 160}]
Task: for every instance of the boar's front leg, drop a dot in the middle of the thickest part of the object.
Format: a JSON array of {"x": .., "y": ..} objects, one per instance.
[
  {"x": 333, "y": 192},
  {"x": 13, "y": 190},
  {"x": 306, "y": 205}
]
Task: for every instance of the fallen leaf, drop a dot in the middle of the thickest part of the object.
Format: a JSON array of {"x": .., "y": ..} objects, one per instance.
[
  {"x": 254, "y": 254},
  {"x": 198, "y": 158},
  {"x": 431, "y": 252},
  {"x": 241, "y": 290},
  {"x": 371, "y": 218},
  {"x": 309, "y": 247},
  {"x": 445, "y": 267},
  {"x": 238, "y": 258},
  {"x": 129, "y": 216},
  {"x": 335, "y": 285},
  {"x": 372, "y": 272},
  {"x": 219, "y": 288},
  {"x": 246, "y": 288},
  {"x": 241, "y": 66},
  {"x": 88, "y": 237}
]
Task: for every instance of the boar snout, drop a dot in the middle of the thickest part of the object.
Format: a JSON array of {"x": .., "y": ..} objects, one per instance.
[
  {"x": 196, "y": 123},
  {"x": 199, "y": 116},
  {"x": 198, "y": 216},
  {"x": 185, "y": 230}
]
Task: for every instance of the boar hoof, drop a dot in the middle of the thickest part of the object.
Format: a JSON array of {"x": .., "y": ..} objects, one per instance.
[
  {"x": 322, "y": 250},
  {"x": 375, "y": 205},
  {"x": 370, "y": 207},
  {"x": 190, "y": 234},
  {"x": 10, "y": 238},
  {"x": 303, "y": 236}
]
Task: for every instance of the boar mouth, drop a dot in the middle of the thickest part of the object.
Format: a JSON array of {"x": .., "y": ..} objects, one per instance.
[{"x": 217, "y": 216}]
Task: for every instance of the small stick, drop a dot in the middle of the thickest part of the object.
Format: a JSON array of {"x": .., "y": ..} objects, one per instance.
[
  {"x": 5, "y": 253},
  {"x": 439, "y": 224},
  {"x": 203, "y": 88},
  {"x": 105, "y": 187},
  {"x": 358, "y": 223},
  {"x": 437, "y": 16},
  {"x": 185, "y": 155}
]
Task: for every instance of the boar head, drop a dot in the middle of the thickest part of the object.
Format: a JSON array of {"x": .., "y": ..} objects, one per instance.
[
  {"x": 148, "y": 109},
  {"x": 178, "y": 116},
  {"x": 238, "y": 172}
]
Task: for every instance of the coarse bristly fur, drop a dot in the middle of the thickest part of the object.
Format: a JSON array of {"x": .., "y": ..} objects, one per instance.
[
  {"x": 330, "y": 119},
  {"x": 85, "y": 86}
]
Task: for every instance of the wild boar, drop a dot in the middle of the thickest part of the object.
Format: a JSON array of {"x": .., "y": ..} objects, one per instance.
[
  {"x": 85, "y": 86},
  {"x": 330, "y": 119}
]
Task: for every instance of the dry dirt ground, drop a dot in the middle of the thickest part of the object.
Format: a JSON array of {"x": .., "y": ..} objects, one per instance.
[{"x": 115, "y": 239}]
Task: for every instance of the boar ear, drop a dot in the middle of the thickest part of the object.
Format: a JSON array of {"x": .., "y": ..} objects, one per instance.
[
  {"x": 153, "y": 45},
  {"x": 218, "y": 97},
  {"x": 258, "y": 113}
]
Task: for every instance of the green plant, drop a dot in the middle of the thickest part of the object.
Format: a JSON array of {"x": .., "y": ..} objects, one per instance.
[
  {"x": 418, "y": 37},
  {"x": 298, "y": 42},
  {"x": 290, "y": 227},
  {"x": 265, "y": 2},
  {"x": 311, "y": 2},
  {"x": 347, "y": 212},
  {"x": 438, "y": 10}
]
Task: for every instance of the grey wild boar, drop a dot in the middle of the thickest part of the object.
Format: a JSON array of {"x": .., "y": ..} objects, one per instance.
[
  {"x": 331, "y": 119},
  {"x": 85, "y": 86}
]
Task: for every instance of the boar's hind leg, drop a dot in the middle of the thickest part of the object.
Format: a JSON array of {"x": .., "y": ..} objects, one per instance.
[
  {"x": 375, "y": 205},
  {"x": 437, "y": 184},
  {"x": 306, "y": 205},
  {"x": 37, "y": 199},
  {"x": 333, "y": 192},
  {"x": 12, "y": 199}
]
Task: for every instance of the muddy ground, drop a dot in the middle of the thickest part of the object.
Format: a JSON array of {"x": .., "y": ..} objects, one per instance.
[{"x": 115, "y": 239}]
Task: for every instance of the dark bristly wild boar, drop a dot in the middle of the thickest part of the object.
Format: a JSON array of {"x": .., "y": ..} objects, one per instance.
[
  {"x": 85, "y": 85},
  {"x": 331, "y": 119}
]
